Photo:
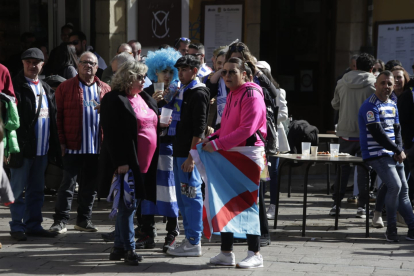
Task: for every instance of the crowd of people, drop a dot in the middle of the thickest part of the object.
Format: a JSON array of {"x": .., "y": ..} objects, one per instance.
[{"x": 101, "y": 125}]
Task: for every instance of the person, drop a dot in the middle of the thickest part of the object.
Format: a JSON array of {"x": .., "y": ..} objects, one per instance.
[
  {"x": 65, "y": 62},
  {"x": 244, "y": 116},
  {"x": 392, "y": 63},
  {"x": 161, "y": 69},
  {"x": 38, "y": 140},
  {"x": 181, "y": 45},
  {"x": 78, "y": 124},
  {"x": 6, "y": 84},
  {"x": 381, "y": 146},
  {"x": 136, "y": 49},
  {"x": 379, "y": 66},
  {"x": 215, "y": 54},
  {"x": 350, "y": 92},
  {"x": 78, "y": 41},
  {"x": 401, "y": 79},
  {"x": 197, "y": 50},
  {"x": 130, "y": 126},
  {"x": 188, "y": 126},
  {"x": 109, "y": 71}
]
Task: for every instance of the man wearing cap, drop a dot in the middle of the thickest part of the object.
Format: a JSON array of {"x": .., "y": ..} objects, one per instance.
[
  {"x": 181, "y": 45},
  {"x": 38, "y": 139},
  {"x": 190, "y": 108},
  {"x": 197, "y": 50},
  {"x": 78, "y": 101}
]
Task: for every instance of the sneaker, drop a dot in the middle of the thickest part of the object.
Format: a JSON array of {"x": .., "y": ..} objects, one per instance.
[
  {"x": 410, "y": 235},
  {"x": 132, "y": 258},
  {"x": 361, "y": 213},
  {"x": 352, "y": 199},
  {"x": 271, "y": 212},
  {"x": 224, "y": 259},
  {"x": 117, "y": 254},
  {"x": 169, "y": 243},
  {"x": 59, "y": 227},
  {"x": 145, "y": 243},
  {"x": 377, "y": 220},
  {"x": 391, "y": 234},
  {"x": 86, "y": 226},
  {"x": 251, "y": 261},
  {"x": 186, "y": 249},
  {"x": 400, "y": 220},
  {"x": 372, "y": 198},
  {"x": 108, "y": 237},
  {"x": 332, "y": 212},
  {"x": 18, "y": 235}
]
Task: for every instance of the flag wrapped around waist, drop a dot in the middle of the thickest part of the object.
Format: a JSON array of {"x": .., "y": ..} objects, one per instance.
[{"x": 232, "y": 183}]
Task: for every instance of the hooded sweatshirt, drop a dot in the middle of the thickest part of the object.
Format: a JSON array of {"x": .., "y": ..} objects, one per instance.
[
  {"x": 350, "y": 92},
  {"x": 243, "y": 115}
]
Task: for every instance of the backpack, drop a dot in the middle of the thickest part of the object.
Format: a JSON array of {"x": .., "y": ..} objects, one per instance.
[{"x": 301, "y": 131}]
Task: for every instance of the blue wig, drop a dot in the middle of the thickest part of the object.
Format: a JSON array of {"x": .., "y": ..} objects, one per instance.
[{"x": 159, "y": 61}]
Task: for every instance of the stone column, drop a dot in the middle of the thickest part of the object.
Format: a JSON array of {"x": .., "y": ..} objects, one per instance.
[{"x": 252, "y": 26}]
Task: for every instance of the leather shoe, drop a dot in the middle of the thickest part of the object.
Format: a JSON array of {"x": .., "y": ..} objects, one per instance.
[
  {"x": 18, "y": 236},
  {"x": 43, "y": 233}
]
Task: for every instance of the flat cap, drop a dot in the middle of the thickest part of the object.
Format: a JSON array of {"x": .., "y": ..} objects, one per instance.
[
  {"x": 188, "y": 61},
  {"x": 33, "y": 53}
]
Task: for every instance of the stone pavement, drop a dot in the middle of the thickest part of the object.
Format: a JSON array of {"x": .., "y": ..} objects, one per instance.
[{"x": 323, "y": 252}]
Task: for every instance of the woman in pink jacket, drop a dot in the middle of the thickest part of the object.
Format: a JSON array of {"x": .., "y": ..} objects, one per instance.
[{"x": 243, "y": 116}]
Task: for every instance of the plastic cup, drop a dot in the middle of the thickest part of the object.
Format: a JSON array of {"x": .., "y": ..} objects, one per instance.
[
  {"x": 306, "y": 146},
  {"x": 165, "y": 115},
  {"x": 314, "y": 150},
  {"x": 158, "y": 86},
  {"x": 334, "y": 150}
]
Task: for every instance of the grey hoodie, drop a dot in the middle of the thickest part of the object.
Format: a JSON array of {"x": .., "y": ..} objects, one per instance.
[{"x": 350, "y": 92}]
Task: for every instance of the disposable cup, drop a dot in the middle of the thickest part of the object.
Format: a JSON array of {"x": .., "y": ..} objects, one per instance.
[
  {"x": 306, "y": 148},
  {"x": 314, "y": 150},
  {"x": 165, "y": 115},
  {"x": 334, "y": 150},
  {"x": 158, "y": 86}
]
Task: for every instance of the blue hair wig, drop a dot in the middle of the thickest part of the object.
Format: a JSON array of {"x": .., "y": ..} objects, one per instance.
[{"x": 160, "y": 60}]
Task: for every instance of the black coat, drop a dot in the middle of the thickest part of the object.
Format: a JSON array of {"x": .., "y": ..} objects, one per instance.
[
  {"x": 120, "y": 146},
  {"x": 405, "y": 106},
  {"x": 27, "y": 110}
]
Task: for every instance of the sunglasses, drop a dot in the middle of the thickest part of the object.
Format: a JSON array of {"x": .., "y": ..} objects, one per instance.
[
  {"x": 86, "y": 63},
  {"x": 235, "y": 48},
  {"x": 183, "y": 39},
  {"x": 230, "y": 72},
  {"x": 141, "y": 77},
  {"x": 75, "y": 42}
]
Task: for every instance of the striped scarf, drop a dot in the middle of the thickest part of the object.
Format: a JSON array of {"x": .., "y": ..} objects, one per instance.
[{"x": 125, "y": 185}]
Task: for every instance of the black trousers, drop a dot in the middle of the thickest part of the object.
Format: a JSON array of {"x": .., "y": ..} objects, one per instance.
[
  {"x": 253, "y": 242},
  {"x": 148, "y": 225}
]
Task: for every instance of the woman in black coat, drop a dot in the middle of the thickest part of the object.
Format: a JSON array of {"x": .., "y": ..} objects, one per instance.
[{"x": 129, "y": 119}]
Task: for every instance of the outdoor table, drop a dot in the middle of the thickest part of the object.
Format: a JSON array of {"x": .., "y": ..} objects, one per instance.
[{"x": 288, "y": 159}]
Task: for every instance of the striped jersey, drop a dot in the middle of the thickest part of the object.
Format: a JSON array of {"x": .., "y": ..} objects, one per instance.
[
  {"x": 204, "y": 71},
  {"x": 372, "y": 111},
  {"x": 42, "y": 126},
  {"x": 90, "y": 123}
]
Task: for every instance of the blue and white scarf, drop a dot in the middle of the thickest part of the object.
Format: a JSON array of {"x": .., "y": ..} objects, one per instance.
[
  {"x": 176, "y": 104},
  {"x": 221, "y": 99},
  {"x": 125, "y": 185}
]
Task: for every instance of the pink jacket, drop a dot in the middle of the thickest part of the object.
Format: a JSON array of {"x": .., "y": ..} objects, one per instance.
[{"x": 244, "y": 114}]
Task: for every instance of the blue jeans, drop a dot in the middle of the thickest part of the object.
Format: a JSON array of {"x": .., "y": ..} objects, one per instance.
[
  {"x": 124, "y": 226},
  {"x": 274, "y": 176},
  {"x": 26, "y": 213},
  {"x": 393, "y": 176},
  {"x": 189, "y": 199}
]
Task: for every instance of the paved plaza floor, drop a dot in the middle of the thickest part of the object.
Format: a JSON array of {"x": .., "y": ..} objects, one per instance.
[{"x": 324, "y": 251}]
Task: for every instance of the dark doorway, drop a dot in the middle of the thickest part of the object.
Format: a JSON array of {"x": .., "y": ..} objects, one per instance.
[{"x": 298, "y": 41}]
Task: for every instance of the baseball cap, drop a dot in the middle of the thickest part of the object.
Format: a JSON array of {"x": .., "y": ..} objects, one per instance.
[
  {"x": 261, "y": 64},
  {"x": 35, "y": 53}
]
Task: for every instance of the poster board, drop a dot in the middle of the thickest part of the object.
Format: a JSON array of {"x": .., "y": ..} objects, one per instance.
[
  {"x": 222, "y": 24},
  {"x": 395, "y": 40}
]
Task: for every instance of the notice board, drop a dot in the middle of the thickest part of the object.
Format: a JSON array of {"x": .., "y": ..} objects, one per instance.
[
  {"x": 395, "y": 40},
  {"x": 222, "y": 24}
]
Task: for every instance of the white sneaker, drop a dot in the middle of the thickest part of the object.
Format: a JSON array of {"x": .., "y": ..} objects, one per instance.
[
  {"x": 271, "y": 211},
  {"x": 251, "y": 261},
  {"x": 186, "y": 249},
  {"x": 222, "y": 259},
  {"x": 377, "y": 220}
]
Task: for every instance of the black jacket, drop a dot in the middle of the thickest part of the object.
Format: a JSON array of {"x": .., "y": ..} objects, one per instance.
[
  {"x": 27, "y": 110},
  {"x": 193, "y": 119},
  {"x": 405, "y": 106},
  {"x": 120, "y": 146}
]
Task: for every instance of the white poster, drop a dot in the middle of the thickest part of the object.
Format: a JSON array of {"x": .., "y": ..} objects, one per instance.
[
  {"x": 396, "y": 41},
  {"x": 222, "y": 25}
]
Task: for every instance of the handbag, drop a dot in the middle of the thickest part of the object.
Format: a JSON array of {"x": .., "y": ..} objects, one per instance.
[{"x": 16, "y": 159}]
